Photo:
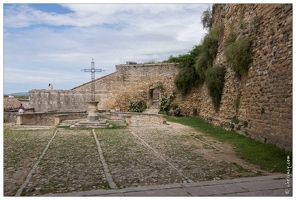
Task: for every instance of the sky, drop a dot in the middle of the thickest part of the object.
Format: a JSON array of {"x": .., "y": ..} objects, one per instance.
[{"x": 52, "y": 43}]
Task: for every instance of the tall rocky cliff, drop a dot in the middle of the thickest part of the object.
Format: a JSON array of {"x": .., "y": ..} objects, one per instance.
[{"x": 260, "y": 104}]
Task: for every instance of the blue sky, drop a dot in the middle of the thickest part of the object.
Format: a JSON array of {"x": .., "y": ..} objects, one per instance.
[{"x": 52, "y": 43}]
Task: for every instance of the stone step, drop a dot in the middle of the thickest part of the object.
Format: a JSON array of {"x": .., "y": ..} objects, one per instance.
[
  {"x": 101, "y": 121},
  {"x": 117, "y": 122},
  {"x": 151, "y": 111},
  {"x": 83, "y": 123},
  {"x": 89, "y": 125}
]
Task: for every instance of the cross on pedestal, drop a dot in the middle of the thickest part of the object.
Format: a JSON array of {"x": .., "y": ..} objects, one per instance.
[{"x": 93, "y": 71}]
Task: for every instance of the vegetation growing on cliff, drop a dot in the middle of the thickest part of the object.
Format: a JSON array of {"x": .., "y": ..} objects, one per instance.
[
  {"x": 196, "y": 67},
  {"x": 187, "y": 77},
  {"x": 238, "y": 54},
  {"x": 215, "y": 84}
]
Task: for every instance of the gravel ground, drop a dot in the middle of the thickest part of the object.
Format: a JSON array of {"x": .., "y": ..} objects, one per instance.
[{"x": 135, "y": 156}]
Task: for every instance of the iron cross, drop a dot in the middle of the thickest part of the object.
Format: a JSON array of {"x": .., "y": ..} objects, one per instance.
[{"x": 93, "y": 71}]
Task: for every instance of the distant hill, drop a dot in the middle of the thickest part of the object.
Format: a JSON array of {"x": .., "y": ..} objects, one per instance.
[{"x": 19, "y": 94}]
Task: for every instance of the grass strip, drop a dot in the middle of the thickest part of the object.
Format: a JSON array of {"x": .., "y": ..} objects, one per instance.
[{"x": 267, "y": 156}]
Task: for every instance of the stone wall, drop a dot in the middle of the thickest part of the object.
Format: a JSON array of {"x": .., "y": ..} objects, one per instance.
[
  {"x": 47, "y": 119},
  {"x": 146, "y": 120},
  {"x": 135, "y": 119},
  {"x": 10, "y": 117},
  {"x": 262, "y": 101},
  {"x": 61, "y": 100},
  {"x": 132, "y": 82}
]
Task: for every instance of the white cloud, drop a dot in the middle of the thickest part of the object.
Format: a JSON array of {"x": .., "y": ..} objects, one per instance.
[{"x": 41, "y": 44}]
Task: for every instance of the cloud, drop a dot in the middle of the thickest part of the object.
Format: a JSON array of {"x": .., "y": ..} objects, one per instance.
[{"x": 44, "y": 45}]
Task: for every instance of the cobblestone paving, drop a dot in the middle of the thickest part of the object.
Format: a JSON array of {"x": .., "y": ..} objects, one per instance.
[
  {"x": 21, "y": 151},
  {"x": 135, "y": 156},
  {"x": 71, "y": 164}
]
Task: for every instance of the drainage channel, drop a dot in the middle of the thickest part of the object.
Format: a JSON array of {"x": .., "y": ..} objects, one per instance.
[
  {"x": 105, "y": 166},
  {"x": 34, "y": 167},
  {"x": 157, "y": 154}
]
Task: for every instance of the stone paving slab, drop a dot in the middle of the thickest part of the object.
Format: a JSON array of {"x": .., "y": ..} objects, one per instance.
[
  {"x": 276, "y": 192},
  {"x": 214, "y": 190},
  {"x": 166, "y": 192},
  {"x": 273, "y": 185},
  {"x": 237, "y": 180},
  {"x": 262, "y": 185}
]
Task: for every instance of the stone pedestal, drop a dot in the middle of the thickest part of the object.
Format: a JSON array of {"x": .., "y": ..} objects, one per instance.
[{"x": 92, "y": 111}]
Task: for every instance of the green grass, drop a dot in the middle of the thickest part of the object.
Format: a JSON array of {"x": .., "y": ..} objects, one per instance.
[{"x": 267, "y": 156}]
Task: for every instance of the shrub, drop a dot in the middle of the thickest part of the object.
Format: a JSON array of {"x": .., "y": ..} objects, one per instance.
[
  {"x": 206, "y": 19},
  {"x": 187, "y": 76},
  {"x": 215, "y": 84},
  {"x": 174, "y": 106},
  {"x": 137, "y": 106},
  {"x": 165, "y": 103},
  {"x": 230, "y": 39},
  {"x": 209, "y": 51},
  {"x": 239, "y": 55},
  {"x": 185, "y": 80},
  {"x": 201, "y": 65}
]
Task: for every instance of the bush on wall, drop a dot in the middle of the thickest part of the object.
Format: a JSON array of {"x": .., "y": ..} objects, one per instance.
[
  {"x": 215, "y": 84},
  {"x": 185, "y": 80},
  {"x": 209, "y": 51},
  {"x": 238, "y": 54},
  {"x": 187, "y": 76}
]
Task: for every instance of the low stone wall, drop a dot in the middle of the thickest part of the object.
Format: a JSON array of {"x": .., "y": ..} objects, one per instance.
[
  {"x": 10, "y": 117},
  {"x": 146, "y": 120},
  {"x": 43, "y": 119},
  {"x": 47, "y": 119},
  {"x": 54, "y": 118},
  {"x": 61, "y": 117},
  {"x": 136, "y": 119}
]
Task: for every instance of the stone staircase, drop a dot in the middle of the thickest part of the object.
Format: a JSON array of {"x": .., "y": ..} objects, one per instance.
[
  {"x": 91, "y": 124},
  {"x": 153, "y": 109},
  {"x": 101, "y": 123}
]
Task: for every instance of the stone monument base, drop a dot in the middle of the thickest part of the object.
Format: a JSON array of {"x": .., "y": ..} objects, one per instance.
[{"x": 93, "y": 111}]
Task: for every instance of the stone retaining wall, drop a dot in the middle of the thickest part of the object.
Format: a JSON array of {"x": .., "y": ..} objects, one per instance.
[
  {"x": 10, "y": 117},
  {"x": 47, "y": 119},
  {"x": 136, "y": 119},
  {"x": 53, "y": 118}
]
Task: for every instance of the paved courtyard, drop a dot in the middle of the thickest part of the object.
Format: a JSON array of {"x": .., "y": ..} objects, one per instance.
[{"x": 49, "y": 160}]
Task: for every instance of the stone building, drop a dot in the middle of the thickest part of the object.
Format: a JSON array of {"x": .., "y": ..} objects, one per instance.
[
  {"x": 261, "y": 102},
  {"x": 114, "y": 91}
]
